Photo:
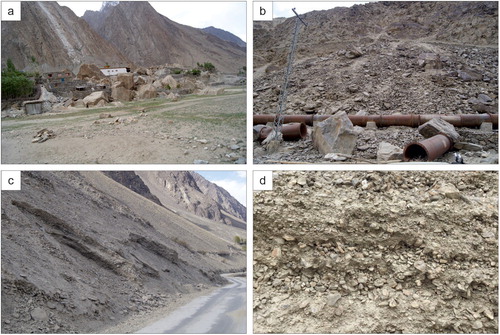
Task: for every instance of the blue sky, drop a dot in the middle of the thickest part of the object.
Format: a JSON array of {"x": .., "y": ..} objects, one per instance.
[
  {"x": 230, "y": 16},
  {"x": 235, "y": 182}
]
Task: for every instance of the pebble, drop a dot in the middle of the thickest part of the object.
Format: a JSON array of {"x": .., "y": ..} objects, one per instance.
[
  {"x": 379, "y": 282},
  {"x": 332, "y": 299},
  {"x": 477, "y": 324},
  {"x": 39, "y": 314}
]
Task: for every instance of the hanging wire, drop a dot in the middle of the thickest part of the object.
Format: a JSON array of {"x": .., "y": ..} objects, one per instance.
[{"x": 278, "y": 121}]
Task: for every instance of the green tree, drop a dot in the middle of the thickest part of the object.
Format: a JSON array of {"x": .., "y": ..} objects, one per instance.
[{"x": 15, "y": 84}]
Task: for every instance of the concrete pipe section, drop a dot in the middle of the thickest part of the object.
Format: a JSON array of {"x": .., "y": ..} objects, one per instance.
[
  {"x": 291, "y": 132},
  {"x": 428, "y": 149},
  {"x": 412, "y": 120}
]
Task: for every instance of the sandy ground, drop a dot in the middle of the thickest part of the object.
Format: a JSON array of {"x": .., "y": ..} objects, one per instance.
[{"x": 211, "y": 129}]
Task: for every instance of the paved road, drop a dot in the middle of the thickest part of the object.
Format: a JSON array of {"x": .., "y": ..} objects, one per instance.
[{"x": 222, "y": 312}]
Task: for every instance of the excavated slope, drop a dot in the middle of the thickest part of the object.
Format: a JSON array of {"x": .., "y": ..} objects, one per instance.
[
  {"x": 377, "y": 252},
  {"x": 81, "y": 252}
]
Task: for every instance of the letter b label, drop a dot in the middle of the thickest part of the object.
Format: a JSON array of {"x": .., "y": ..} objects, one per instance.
[{"x": 262, "y": 11}]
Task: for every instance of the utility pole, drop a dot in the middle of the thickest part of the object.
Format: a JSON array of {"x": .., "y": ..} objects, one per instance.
[{"x": 284, "y": 93}]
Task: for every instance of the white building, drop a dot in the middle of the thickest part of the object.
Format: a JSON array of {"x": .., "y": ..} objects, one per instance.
[{"x": 113, "y": 71}]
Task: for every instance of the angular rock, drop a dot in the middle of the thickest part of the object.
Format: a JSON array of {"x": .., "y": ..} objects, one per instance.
[
  {"x": 147, "y": 91},
  {"x": 468, "y": 146},
  {"x": 122, "y": 93},
  {"x": 332, "y": 299},
  {"x": 88, "y": 71},
  {"x": 484, "y": 99},
  {"x": 170, "y": 81},
  {"x": 430, "y": 61},
  {"x": 126, "y": 80},
  {"x": 334, "y": 157},
  {"x": 470, "y": 75},
  {"x": 39, "y": 314},
  {"x": 94, "y": 98},
  {"x": 389, "y": 152},
  {"x": 353, "y": 53},
  {"x": 335, "y": 135},
  {"x": 212, "y": 91},
  {"x": 439, "y": 126},
  {"x": 486, "y": 127}
]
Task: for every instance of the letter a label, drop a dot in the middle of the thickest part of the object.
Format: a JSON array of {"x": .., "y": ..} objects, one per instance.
[{"x": 11, "y": 11}]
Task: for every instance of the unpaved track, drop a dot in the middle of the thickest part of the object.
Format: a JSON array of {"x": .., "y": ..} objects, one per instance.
[
  {"x": 222, "y": 312},
  {"x": 170, "y": 133}
]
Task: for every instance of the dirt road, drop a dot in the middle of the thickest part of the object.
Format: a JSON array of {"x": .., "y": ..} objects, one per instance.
[
  {"x": 210, "y": 129},
  {"x": 222, "y": 312}
]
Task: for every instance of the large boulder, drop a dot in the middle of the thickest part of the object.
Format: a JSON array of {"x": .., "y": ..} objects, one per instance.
[
  {"x": 94, "y": 99},
  {"x": 147, "y": 91},
  {"x": 121, "y": 93},
  {"x": 126, "y": 80},
  {"x": 336, "y": 135},
  {"x": 89, "y": 71},
  {"x": 439, "y": 126},
  {"x": 170, "y": 81},
  {"x": 212, "y": 91}
]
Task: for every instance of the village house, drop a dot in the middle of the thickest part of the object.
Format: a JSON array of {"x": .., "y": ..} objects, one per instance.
[{"x": 113, "y": 71}]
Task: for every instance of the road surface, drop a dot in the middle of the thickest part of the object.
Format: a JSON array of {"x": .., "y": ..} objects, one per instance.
[{"x": 222, "y": 312}]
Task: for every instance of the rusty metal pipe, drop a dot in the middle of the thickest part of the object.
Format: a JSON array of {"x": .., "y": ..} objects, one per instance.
[
  {"x": 428, "y": 149},
  {"x": 412, "y": 120},
  {"x": 291, "y": 132}
]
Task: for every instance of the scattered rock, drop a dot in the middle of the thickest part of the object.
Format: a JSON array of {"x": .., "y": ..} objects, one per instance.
[
  {"x": 388, "y": 152},
  {"x": 39, "y": 314},
  {"x": 94, "y": 98},
  {"x": 43, "y": 135},
  {"x": 334, "y": 157},
  {"x": 335, "y": 135},
  {"x": 439, "y": 126},
  {"x": 333, "y": 298},
  {"x": 146, "y": 91}
]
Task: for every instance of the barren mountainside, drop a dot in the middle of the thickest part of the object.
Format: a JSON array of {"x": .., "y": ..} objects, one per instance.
[
  {"x": 190, "y": 191},
  {"x": 52, "y": 38},
  {"x": 148, "y": 38},
  {"x": 225, "y": 35},
  {"x": 81, "y": 252}
]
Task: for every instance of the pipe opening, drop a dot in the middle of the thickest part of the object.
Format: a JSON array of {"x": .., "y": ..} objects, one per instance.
[{"x": 415, "y": 152}]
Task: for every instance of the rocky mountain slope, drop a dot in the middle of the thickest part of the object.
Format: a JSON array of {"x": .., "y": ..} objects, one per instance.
[
  {"x": 189, "y": 191},
  {"x": 81, "y": 252},
  {"x": 148, "y": 38},
  {"x": 225, "y": 35},
  {"x": 383, "y": 58},
  {"x": 377, "y": 252},
  {"x": 52, "y": 38}
]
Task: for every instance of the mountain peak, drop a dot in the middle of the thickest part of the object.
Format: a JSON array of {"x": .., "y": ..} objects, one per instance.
[{"x": 107, "y": 4}]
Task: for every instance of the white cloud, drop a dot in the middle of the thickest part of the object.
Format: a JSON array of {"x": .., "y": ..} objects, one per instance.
[
  {"x": 242, "y": 174},
  {"x": 237, "y": 189}
]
